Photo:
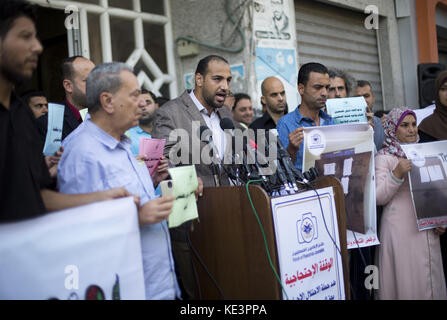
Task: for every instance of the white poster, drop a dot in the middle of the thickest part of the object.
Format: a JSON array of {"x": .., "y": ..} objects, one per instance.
[
  {"x": 428, "y": 182},
  {"x": 91, "y": 252},
  {"x": 347, "y": 152},
  {"x": 309, "y": 261},
  {"x": 272, "y": 20}
]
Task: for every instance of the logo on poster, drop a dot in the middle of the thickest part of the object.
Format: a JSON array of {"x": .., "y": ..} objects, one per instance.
[
  {"x": 307, "y": 228},
  {"x": 317, "y": 142}
]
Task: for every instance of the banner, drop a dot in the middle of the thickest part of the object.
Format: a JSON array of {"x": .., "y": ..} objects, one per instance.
[
  {"x": 347, "y": 152},
  {"x": 91, "y": 252},
  {"x": 428, "y": 182},
  {"x": 309, "y": 262}
]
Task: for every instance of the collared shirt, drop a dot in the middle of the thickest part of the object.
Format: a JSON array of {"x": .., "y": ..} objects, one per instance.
[
  {"x": 294, "y": 120},
  {"x": 213, "y": 123},
  {"x": 265, "y": 122},
  {"x": 135, "y": 134},
  {"x": 23, "y": 171},
  {"x": 75, "y": 111},
  {"x": 96, "y": 161}
]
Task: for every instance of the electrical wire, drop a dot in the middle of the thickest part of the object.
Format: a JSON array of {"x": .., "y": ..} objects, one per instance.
[
  {"x": 221, "y": 48},
  {"x": 204, "y": 267},
  {"x": 263, "y": 235}
]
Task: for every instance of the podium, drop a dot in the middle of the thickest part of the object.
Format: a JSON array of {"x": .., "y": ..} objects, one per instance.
[{"x": 229, "y": 241}]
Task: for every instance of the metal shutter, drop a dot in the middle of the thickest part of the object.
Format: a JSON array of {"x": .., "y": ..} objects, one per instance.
[{"x": 337, "y": 38}]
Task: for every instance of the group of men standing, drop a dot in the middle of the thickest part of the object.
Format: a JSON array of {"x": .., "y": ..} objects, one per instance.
[{"x": 97, "y": 161}]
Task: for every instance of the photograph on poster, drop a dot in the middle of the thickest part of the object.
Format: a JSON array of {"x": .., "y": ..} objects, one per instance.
[
  {"x": 346, "y": 152},
  {"x": 428, "y": 182}
]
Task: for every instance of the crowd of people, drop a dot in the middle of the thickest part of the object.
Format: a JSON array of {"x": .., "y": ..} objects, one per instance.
[{"x": 99, "y": 157}]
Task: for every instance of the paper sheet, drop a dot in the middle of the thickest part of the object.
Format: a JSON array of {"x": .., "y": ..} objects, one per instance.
[
  {"x": 53, "y": 139},
  {"x": 347, "y": 110},
  {"x": 425, "y": 177},
  {"x": 185, "y": 183},
  {"x": 347, "y": 167},
  {"x": 435, "y": 173},
  {"x": 153, "y": 149},
  {"x": 329, "y": 169},
  {"x": 345, "y": 184}
]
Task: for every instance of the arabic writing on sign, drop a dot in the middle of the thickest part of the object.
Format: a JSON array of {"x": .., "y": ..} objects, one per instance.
[
  {"x": 313, "y": 292},
  {"x": 363, "y": 240},
  {"x": 306, "y": 273}
]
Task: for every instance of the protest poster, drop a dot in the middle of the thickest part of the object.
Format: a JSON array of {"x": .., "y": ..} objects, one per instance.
[
  {"x": 347, "y": 152},
  {"x": 308, "y": 245},
  {"x": 347, "y": 110},
  {"x": 91, "y": 252},
  {"x": 53, "y": 140},
  {"x": 428, "y": 182},
  {"x": 185, "y": 183},
  {"x": 153, "y": 149}
]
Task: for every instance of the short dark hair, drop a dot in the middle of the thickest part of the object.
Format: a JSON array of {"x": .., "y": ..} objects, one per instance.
[
  {"x": 67, "y": 71},
  {"x": 306, "y": 69},
  {"x": 26, "y": 97},
  {"x": 10, "y": 10},
  {"x": 363, "y": 83},
  {"x": 337, "y": 73},
  {"x": 380, "y": 113},
  {"x": 238, "y": 97},
  {"x": 202, "y": 66},
  {"x": 144, "y": 91}
]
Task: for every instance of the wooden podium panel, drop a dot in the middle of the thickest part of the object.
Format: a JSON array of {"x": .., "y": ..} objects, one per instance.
[{"x": 229, "y": 240}]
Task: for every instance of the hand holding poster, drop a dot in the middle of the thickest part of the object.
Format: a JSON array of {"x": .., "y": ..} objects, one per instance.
[
  {"x": 428, "y": 182},
  {"x": 185, "y": 183},
  {"x": 153, "y": 149},
  {"x": 347, "y": 152},
  {"x": 347, "y": 110},
  {"x": 91, "y": 252}
]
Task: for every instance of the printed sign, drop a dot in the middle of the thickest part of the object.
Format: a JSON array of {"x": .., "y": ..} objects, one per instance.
[
  {"x": 428, "y": 182},
  {"x": 348, "y": 154},
  {"x": 153, "y": 149},
  {"x": 307, "y": 241},
  {"x": 91, "y": 252},
  {"x": 347, "y": 110},
  {"x": 53, "y": 139}
]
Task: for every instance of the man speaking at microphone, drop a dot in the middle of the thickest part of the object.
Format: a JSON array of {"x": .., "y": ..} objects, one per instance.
[{"x": 185, "y": 115}]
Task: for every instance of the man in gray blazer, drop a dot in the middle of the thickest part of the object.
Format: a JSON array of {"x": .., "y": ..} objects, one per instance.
[{"x": 179, "y": 122}]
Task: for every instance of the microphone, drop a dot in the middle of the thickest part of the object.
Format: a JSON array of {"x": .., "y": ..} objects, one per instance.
[
  {"x": 215, "y": 160},
  {"x": 291, "y": 171}
]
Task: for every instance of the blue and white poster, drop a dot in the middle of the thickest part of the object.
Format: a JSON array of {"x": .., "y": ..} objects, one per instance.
[
  {"x": 53, "y": 139},
  {"x": 280, "y": 63},
  {"x": 308, "y": 245}
]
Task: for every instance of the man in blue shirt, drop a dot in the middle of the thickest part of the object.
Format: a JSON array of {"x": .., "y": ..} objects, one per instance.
[
  {"x": 144, "y": 127},
  {"x": 100, "y": 157},
  {"x": 313, "y": 86}
]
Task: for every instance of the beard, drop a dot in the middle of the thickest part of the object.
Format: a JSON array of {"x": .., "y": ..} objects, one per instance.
[
  {"x": 209, "y": 99},
  {"x": 14, "y": 77},
  {"x": 79, "y": 97},
  {"x": 147, "y": 120}
]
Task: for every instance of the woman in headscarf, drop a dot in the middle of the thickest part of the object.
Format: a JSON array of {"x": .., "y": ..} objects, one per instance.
[
  {"x": 409, "y": 261},
  {"x": 434, "y": 128}
]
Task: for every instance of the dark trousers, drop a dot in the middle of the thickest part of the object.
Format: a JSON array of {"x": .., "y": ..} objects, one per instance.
[
  {"x": 357, "y": 272},
  {"x": 183, "y": 260}
]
